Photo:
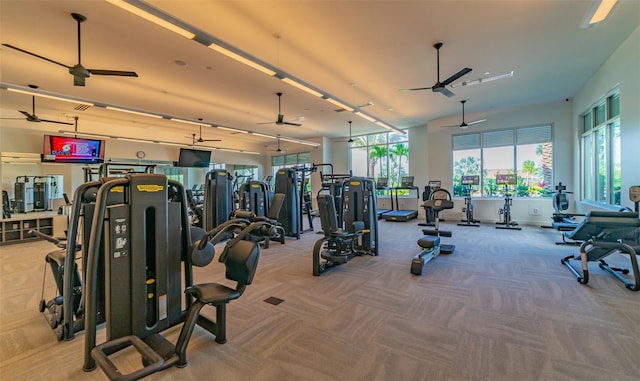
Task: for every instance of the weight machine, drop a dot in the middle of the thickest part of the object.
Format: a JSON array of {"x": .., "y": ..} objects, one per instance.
[{"x": 218, "y": 198}]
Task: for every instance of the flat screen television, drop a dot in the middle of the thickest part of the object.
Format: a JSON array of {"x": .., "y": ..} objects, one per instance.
[
  {"x": 194, "y": 158},
  {"x": 66, "y": 149}
]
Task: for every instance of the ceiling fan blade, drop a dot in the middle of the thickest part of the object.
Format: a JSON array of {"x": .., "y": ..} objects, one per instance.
[
  {"x": 26, "y": 114},
  {"x": 476, "y": 121},
  {"x": 55, "y": 121},
  {"x": 457, "y": 75},
  {"x": 113, "y": 72},
  {"x": 35, "y": 55},
  {"x": 268, "y": 123},
  {"x": 417, "y": 88},
  {"x": 292, "y": 124},
  {"x": 211, "y": 140},
  {"x": 446, "y": 92}
]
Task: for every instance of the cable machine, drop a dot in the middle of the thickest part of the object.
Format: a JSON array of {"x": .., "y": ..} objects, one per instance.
[{"x": 218, "y": 198}]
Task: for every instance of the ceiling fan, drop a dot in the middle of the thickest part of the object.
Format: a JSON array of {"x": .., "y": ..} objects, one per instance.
[
  {"x": 464, "y": 124},
  {"x": 32, "y": 117},
  {"x": 79, "y": 72},
  {"x": 201, "y": 140},
  {"x": 350, "y": 136},
  {"x": 279, "y": 149},
  {"x": 440, "y": 87},
  {"x": 280, "y": 121}
]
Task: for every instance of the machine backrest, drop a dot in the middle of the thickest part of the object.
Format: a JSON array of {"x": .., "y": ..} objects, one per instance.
[
  {"x": 276, "y": 205},
  {"x": 607, "y": 226},
  {"x": 242, "y": 261},
  {"x": 438, "y": 205},
  {"x": 328, "y": 215}
]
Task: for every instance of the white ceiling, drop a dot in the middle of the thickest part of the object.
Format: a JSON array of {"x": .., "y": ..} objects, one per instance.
[{"x": 381, "y": 46}]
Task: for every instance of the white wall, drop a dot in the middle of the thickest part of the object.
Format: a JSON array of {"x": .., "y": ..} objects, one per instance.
[{"x": 623, "y": 68}]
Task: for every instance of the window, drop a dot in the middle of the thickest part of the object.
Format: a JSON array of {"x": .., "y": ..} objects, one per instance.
[
  {"x": 384, "y": 154},
  {"x": 291, "y": 160},
  {"x": 526, "y": 152},
  {"x": 601, "y": 156}
]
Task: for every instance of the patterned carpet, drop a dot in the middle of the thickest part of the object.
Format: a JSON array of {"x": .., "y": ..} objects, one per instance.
[{"x": 501, "y": 307}]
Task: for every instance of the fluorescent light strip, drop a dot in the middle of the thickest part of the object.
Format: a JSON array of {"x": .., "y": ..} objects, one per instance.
[
  {"x": 379, "y": 123},
  {"x": 365, "y": 116},
  {"x": 241, "y": 59},
  {"x": 189, "y": 122},
  {"x": 133, "y": 112},
  {"x": 602, "y": 11},
  {"x": 233, "y": 130},
  {"x": 153, "y": 18},
  {"x": 49, "y": 96},
  {"x": 341, "y": 105},
  {"x": 263, "y": 135},
  {"x": 301, "y": 87}
]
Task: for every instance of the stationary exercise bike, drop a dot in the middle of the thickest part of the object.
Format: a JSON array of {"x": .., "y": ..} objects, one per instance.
[
  {"x": 469, "y": 181},
  {"x": 506, "y": 222}
]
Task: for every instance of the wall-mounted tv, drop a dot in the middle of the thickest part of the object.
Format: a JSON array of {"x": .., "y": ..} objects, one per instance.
[
  {"x": 194, "y": 158},
  {"x": 65, "y": 149}
]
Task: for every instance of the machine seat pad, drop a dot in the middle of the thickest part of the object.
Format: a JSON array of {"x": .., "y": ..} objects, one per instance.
[
  {"x": 212, "y": 293},
  {"x": 429, "y": 242},
  {"x": 564, "y": 226}
]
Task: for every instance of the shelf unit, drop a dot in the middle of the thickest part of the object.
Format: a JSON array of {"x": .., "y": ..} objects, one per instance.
[{"x": 16, "y": 229}]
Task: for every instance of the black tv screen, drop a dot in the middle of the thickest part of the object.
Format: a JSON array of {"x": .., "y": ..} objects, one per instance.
[
  {"x": 66, "y": 149},
  {"x": 194, "y": 158}
]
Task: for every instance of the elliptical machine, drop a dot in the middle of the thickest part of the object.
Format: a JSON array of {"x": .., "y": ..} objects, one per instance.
[
  {"x": 469, "y": 181},
  {"x": 507, "y": 223}
]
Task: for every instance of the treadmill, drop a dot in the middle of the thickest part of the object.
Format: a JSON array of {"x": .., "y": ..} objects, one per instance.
[
  {"x": 402, "y": 215},
  {"x": 383, "y": 184}
]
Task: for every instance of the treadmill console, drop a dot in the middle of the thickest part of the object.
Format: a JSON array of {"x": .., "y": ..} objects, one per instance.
[{"x": 407, "y": 182}]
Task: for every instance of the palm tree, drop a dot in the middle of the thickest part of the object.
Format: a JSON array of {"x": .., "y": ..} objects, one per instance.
[
  {"x": 546, "y": 151},
  {"x": 375, "y": 154},
  {"x": 529, "y": 167},
  {"x": 399, "y": 151}
]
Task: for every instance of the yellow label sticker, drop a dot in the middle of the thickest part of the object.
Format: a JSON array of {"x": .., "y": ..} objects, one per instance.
[
  {"x": 118, "y": 189},
  {"x": 355, "y": 183},
  {"x": 149, "y": 188},
  {"x": 255, "y": 185}
]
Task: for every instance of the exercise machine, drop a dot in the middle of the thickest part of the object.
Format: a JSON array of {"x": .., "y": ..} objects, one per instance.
[
  {"x": 398, "y": 214},
  {"x": 218, "y": 198},
  {"x": 337, "y": 246},
  {"x": 23, "y": 194},
  {"x": 254, "y": 197},
  {"x": 42, "y": 192},
  {"x": 470, "y": 182},
  {"x": 429, "y": 189},
  {"x": 333, "y": 184},
  {"x": 506, "y": 222},
  {"x": 605, "y": 233},
  {"x": 563, "y": 221},
  {"x": 382, "y": 185},
  {"x": 149, "y": 256},
  {"x": 275, "y": 231},
  {"x": 360, "y": 205},
  {"x": 440, "y": 200},
  {"x": 6, "y": 205},
  {"x": 292, "y": 182},
  {"x": 65, "y": 312}
]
